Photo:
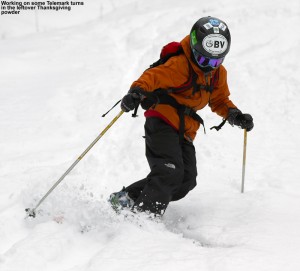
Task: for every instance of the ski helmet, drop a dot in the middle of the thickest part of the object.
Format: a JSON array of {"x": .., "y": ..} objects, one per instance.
[{"x": 210, "y": 42}]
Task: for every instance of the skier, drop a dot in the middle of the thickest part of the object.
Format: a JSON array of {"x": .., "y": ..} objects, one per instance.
[{"x": 171, "y": 93}]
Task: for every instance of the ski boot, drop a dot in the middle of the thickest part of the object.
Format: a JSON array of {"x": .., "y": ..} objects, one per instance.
[{"x": 120, "y": 200}]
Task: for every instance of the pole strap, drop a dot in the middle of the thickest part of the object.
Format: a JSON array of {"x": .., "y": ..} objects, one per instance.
[
  {"x": 219, "y": 126},
  {"x": 111, "y": 108}
]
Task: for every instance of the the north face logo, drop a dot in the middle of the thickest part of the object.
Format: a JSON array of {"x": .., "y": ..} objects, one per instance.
[{"x": 170, "y": 165}]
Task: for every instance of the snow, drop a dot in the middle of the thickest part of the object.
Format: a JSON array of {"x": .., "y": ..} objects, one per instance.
[{"x": 57, "y": 82}]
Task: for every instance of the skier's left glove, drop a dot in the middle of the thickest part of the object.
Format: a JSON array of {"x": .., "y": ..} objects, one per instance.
[{"x": 236, "y": 117}]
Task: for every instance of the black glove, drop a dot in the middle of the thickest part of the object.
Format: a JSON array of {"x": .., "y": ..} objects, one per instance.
[
  {"x": 131, "y": 100},
  {"x": 236, "y": 117}
]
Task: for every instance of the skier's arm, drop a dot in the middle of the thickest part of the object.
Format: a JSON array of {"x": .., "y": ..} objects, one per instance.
[
  {"x": 219, "y": 100},
  {"x": 174, "y": 72}
]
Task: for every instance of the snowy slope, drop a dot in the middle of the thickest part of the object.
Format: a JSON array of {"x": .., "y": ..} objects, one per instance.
[{"x": 56, "y": 84}]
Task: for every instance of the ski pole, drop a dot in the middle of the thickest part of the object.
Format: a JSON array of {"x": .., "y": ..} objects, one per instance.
[
  {"x": 32, "y": 212},
  {"x": 244, "y": 160}
]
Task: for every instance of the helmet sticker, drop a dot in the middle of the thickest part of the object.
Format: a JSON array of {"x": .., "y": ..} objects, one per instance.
[
  {"x": 216, "y": 30},
  {"x": 222, "y": 26},
  {"x": 215, "y": 44},
  {"x": 207, "y": 26},
  {"x": 214, "y": 22},
  {"x": 194, "y": 37}
]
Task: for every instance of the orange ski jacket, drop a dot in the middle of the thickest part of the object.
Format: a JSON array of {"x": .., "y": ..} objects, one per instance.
[{"x": 174, "y": 73}]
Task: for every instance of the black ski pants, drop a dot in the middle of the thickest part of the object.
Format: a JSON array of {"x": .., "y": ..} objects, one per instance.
[{"x": 173, "y": 168}]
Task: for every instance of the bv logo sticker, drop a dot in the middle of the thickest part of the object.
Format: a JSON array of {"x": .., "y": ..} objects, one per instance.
[{"x": 215, "y": 44}]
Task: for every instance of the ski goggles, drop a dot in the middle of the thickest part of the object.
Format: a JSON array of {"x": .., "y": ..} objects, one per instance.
[{"x": 203, "y": 61}]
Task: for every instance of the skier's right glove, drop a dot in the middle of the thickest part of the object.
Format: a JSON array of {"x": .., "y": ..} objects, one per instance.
[
  {"x": 131, "y": 100},
  {"x": 236, "y": 117}
]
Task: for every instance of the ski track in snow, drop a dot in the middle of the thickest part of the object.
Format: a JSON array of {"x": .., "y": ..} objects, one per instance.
[{"x": 56, "y": 84}]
